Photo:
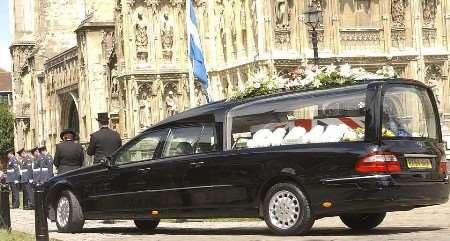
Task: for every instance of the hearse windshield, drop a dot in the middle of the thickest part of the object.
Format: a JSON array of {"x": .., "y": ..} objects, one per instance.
[
  {"x": 318, "y": 117},
  {"x": 408, "y": 113}
]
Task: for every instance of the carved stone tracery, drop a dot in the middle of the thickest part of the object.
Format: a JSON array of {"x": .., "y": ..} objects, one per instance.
[
  {"x": 429, "y": 8},
  {"x": 398, "y": 8}
]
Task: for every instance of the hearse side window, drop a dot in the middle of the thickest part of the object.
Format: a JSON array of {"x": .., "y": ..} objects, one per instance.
[
  {"x": 333, "y": 117},
  {"x": 141, "y": 149},
  {"x": 190, "y": 140},
  {"x": 408, "y": 112}
]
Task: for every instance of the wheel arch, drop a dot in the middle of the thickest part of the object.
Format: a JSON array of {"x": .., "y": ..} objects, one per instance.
[
  {"x": 55, "y": 192},
  {"x": 281, "y": 178}
]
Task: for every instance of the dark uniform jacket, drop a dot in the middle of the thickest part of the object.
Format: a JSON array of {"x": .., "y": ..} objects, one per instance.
[
  {"x": 26, "y": 168},
  {"x": 12, "y": 170},
  {"x": 69, "y": 153},
  {"x": 46, "y": 167},
  {"x": 37, "y": 173},
  {"x": 103, "y": 143}
]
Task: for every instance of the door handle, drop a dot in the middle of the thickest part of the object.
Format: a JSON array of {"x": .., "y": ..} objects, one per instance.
[
  {"x": 144, "y": 170},
  {"x": 197, "y": 164}
]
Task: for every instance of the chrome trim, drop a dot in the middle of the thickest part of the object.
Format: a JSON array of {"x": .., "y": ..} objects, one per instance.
[
  {"x": 356, "y": 178},
  {"x": 420, "y": 155},
  {"x": 159, "y": 190}
]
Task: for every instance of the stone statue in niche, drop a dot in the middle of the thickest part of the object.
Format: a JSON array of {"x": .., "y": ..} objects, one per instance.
[
  {"x": 171, "y": 105},
  {"x": 144, "y": 109},
  {"x": 167, "y": 36},
  {"x": 398, "y": 13},
  {"x": 114, "y": 82},
  {"x": 141, "y": 39},
  {"x": 429, "y": 12},
  {"x": 317, "y": 4},
  {"x": 434, "y": 80},
  {"x": 282, "y": 14},
  {"x": 200, "y": 96}
]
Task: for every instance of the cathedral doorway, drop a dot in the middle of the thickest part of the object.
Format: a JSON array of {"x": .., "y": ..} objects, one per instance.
[{"x": 69, "y": 112}]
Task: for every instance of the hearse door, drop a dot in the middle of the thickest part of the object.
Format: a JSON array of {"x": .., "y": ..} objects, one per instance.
[
  {"x": 219, "y": 183},
  {"x": 130, "y": 175},
  {"x": 411, "y": 128}
]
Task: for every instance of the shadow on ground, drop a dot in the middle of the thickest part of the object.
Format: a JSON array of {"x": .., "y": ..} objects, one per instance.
[{"x": 260, "y": 231}]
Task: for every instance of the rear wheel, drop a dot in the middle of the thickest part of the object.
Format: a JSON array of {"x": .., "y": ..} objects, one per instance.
[
  {"x": 147, "y": 226},
  {"x": 363, "y": 222},
  {"x": 287, "y": 210},
  {"x": 69, "y": 216}
]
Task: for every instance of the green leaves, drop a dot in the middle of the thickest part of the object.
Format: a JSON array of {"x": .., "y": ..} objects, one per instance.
[{"x": 6, "y": 129}]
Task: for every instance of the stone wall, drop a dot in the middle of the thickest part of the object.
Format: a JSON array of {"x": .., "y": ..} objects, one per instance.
[{"x": 128, "y": 57}]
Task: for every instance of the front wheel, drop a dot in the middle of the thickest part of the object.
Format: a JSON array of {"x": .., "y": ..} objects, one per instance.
[
  {"x": 363, "y": 222},
  {"x": 69, "y": 215},
  {"x": 147, "y": 226},
  {"x": 287, "y": 210}
]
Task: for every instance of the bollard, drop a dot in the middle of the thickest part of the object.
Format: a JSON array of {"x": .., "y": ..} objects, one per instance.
[
  {"x": 5, "y": 217},
  {"x": 40, "y": 218}
]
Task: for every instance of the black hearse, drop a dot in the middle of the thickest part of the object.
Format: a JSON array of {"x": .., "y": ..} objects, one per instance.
[{"x": 356, "y": 152}]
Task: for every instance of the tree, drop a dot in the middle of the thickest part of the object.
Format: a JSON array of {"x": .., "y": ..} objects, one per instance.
[{"x": 6, "y": 128}]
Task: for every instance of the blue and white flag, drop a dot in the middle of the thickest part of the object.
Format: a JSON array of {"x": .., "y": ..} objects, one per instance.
[{"x": 194, "y": 47}]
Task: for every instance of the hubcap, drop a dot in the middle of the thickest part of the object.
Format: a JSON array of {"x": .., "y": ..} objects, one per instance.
[
  {"x": 284, "y": 209},
  {"x": 62, "y": 211}
]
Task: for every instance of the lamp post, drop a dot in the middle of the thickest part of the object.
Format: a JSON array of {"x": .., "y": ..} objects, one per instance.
[{"x": 313, "y": 19}]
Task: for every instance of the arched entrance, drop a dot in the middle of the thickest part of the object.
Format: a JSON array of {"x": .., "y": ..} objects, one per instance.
[
  {"x": 73, "y": 120},
  {"x": 69, "y": 112}
]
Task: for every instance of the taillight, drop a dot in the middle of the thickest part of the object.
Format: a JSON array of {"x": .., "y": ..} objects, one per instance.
[
  {"x": 378, "y": 162},
  {"x": 443, "y": 165}
]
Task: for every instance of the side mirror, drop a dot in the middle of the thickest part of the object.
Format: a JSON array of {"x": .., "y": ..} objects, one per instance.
[{"x": 107, "y": 162}]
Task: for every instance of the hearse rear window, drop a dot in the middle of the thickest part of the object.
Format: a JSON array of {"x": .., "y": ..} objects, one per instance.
[
  {"x": 333, "y": 117},
  {"x": 408, "y": 112}
]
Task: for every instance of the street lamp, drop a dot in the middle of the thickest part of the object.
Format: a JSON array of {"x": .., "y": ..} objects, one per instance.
[{"x": 313, "y": 19}]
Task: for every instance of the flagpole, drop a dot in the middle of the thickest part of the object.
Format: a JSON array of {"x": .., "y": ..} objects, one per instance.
[{"x": 191, "y": 84}]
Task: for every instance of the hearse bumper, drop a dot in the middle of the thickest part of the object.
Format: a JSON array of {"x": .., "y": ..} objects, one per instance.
[{"x": 378, "y": 193}]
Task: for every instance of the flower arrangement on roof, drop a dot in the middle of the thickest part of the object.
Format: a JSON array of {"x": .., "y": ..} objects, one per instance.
[{"x": 308, "y": 77}]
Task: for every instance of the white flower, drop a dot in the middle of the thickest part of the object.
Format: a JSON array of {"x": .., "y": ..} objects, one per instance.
[
  {"x": 241, "y": 88},
  {"x": 317, "y": 83},
  {"x": 270, "y": 86},
  {"x": 280, "y": 82},
  {"x": 330, "y": 69},
  {"x": 346, "y": 70},
  {"x": 257, "y": 85}
]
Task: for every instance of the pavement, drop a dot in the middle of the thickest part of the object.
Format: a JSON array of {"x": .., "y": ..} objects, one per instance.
[{"x": 429, "y": 223}]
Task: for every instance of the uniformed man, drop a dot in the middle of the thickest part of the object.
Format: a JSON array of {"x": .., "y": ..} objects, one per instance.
[
  {"x": 13, "y": 177},
  {"x": 36, "y": 165},
  {"x": 46, "y": 164},
  {"x": 26, "y": 179},
  {"x": 105, "y": 141},
  {"x": 69, "y": 155}
]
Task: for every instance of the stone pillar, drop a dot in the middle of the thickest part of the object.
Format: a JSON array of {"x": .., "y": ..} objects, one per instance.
[
  {"x": 417, "y": 66},
  {"x": 386, "y": 16},
  {"x": 261, "y": 35}
]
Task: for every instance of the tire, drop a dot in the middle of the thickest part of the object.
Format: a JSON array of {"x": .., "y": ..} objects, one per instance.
[
  {"x": 69, "y": 219},
  {"x": 291, "y": 201},
  {"x": 147, "y": 226},
  {"x": 363, "y": 222}
]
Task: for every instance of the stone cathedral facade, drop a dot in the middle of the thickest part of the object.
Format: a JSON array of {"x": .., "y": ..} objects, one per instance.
[{"x": 75, "y": 58}]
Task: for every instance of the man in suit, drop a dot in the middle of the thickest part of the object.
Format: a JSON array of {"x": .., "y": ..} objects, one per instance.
[
  {"x": 105, "y": 141},
  {"x": 46, "y": 164},
  {"x": 13, "y": 177},
  {"x": 69, "y": 155},
  {"x": 26, "y": 169}
]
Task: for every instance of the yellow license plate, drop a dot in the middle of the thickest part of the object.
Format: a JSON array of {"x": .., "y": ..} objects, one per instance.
[{"x": 419, "y": 163}]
